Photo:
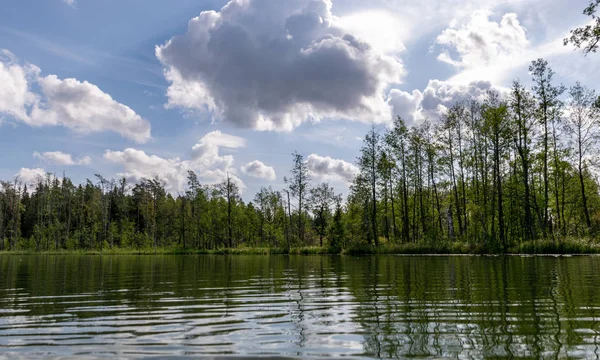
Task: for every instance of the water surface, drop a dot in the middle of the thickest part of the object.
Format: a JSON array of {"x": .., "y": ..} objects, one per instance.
[{"x": 321, "y": 306}]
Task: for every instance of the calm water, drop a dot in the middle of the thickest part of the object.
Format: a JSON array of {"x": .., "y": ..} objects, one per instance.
[{"x": 392, "y": 306}]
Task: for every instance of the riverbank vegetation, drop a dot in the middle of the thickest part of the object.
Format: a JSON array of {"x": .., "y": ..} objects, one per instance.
[
  {"x": 504, "y": 172},
  {"x": 568, "y": 246}
]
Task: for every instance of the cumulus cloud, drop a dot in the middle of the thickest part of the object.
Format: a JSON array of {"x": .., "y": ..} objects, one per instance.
[
  {"x": 383, "y": 31},
  {"x": 435, "y": 99},
  {"x": 406, "y": 105},
  {"x": 84, "y": 108},
  {"x": 325, "y": 167},
  {"x": 259, "y": 170},
  {"x": 206, "y": 152},
  {"x": 438, "y": 96},
  {"x": 272, "y": 65},
  {"x": 137, "y": 165},
  {"x": 30, "y": 176},
  {"x": 206, "y": 161},
  {"x": 15, "y": 94},
  {"x": 61, "y": 158},
  {"x": 70, "y": 2},
  {"x": 79, "y": 106},
  {"x": 498, "y": 52},
  {"x": 481, "y": 41}
]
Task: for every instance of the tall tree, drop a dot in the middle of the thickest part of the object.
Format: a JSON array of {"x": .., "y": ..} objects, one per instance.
[
  {"x": 337, "y": 233},
  {"x": 367, "y": 162},
  {"x": 231, "y": 192},
  {"x": 198, "y": 198},
  {"x": 385, "y": 167},
  {"x": 548, "y": 109},
  {"x": 397, "y": 140},
  {"x": 521, "y": 105},
  {"x": 288, "y": 229},
  {"x": 322, "y": 198},
  {"x": 452, "y": 139},
  {"x": 183, "y": 220},
  {"x": 584, "y": 126},
  {"x": 104, "y": 186},
  {"x": 495, "y": 117},
  {"x": 299, "y": 186},
  {"x": 267, "y": 203}
]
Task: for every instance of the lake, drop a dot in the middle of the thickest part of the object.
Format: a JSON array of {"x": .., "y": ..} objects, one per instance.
[{"x": 299, "y": 306}]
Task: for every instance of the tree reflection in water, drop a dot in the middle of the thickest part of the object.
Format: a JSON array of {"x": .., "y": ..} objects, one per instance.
[{"x": 386, "y": 306}]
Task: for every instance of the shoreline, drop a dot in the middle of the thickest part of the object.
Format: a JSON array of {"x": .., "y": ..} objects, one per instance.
[{"x": 569, "y": 247}]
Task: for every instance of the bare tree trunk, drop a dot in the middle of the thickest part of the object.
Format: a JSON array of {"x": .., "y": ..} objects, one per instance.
[
  {"x": 229, "y": 232},
  {"x": 394, "y": 229},
  {"x": 586, "y": 212},
  {"x": 290, "y": 217}
]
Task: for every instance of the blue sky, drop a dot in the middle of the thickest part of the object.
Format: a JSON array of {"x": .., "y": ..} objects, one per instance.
[{"x": 243, "y": 85}]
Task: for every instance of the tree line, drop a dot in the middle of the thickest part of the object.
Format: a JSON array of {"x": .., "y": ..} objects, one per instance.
[
  {"x": 496, "y": 171},
  {"x": 105, "y": 213}
]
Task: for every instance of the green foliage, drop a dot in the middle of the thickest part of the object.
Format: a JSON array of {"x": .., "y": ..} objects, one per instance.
[
  {"x": 337, "y": 231},
  {"x": 588, "y": 36},
  {"x": 498, "y": 174},
  {"x": 562, "y": 246}
]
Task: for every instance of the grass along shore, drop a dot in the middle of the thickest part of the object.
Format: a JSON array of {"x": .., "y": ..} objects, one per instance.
[{"x": 539, "y": 247}]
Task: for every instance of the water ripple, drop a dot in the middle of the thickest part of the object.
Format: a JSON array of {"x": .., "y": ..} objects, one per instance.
[{"x": 299, "y": 307}]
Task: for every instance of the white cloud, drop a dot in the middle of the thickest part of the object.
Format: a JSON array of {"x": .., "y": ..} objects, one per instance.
[
  {"x": 79, "y": 106},
  {"x": 259, "y": 170},
  {"x": 293, "y": 65},
  {"x": 380, "y": 29},
  {"x": 497, "y": 52},
  {"x": 31, "y": 176},
  {"x": 206, "y": 152},
  {"x": 137, "y": 165},
  {"x": 61, "y": 158},
  {"x": 84, "y": 108},
  {"x": 189, "y": 95},
  {"x": 325, "y": 167},
  {"x": 435, "y": 99},
  {"x": 70, "y": 2},
  {"x": 406, "y": 19},
  {"x": 15, "y": 94},
  {"x": 206, "y": 161},
  {"x": 406, "y": 105},
  {"x": 86, "y": 160},
  {"x": 486, "y": 55},
  {"x": 481, "y": 41}
]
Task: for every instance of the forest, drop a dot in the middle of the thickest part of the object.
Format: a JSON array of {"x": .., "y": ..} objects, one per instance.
[{"x": 491, "y": 173}]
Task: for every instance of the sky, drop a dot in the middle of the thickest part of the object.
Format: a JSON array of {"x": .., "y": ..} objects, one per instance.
[{"x": 141, "y": 88}]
